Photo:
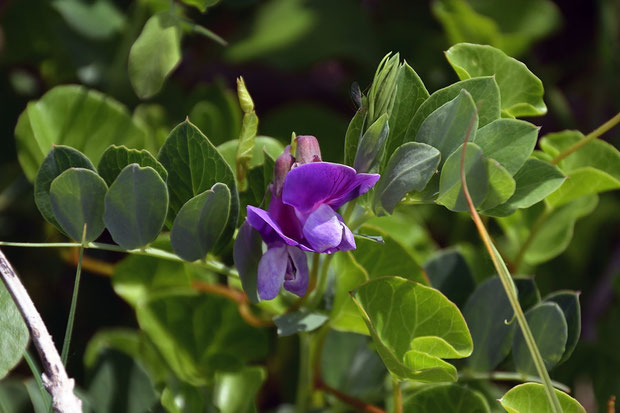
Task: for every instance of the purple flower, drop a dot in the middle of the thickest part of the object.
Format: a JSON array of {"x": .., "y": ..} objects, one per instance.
[{"x": 306, "y": 193}]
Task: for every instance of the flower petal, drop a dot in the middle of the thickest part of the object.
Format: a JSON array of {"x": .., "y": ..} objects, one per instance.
[
  {"x": 323, "y": 229},
  {"x": 267, "y": 227},
  {"x": 312, "y": 184},
  {"x": 271, "y": 272},
  {"x": 299, "y": 284},
  {"x": 348, "y": 241}
]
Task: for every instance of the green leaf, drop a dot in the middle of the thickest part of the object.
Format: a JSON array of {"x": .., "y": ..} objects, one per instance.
[
  {"x": 118, "y": 383},
  {"x": 71, "y": 115},
  {"x": 448, "y": 272},
  {"x": 531, "y": 398},
  {"x": 487, "y": 312},
  {"x": 247, "y": 252},
  {"x": 181, "y": 397},
  {"x": 262, "y": 145},
  {"x": 409, "y": 169},
  {"x": 483, "y": 90},
  {"x": 298, "y": 321},
  {"x": 535, "y": 181},
  {"x": 348, "y": 275},
  {"x": 550, "y": 331},
  {"x": 77, "y": 198},
  {"x": 137, "y": 277},
  {"x": 97, "y": 20},
  {"x": 371, "y": 145},
  {"x": 529, "y": 295},
  {"x": 136, "y": 206},
  {"x": 410, "y": 94},
  {"x": 194, "y": 165},
  {"x": 155, "y": 54},
  {"x": 501, "y": 185},
  {"x": 353, "y": 135},
  {"x": 413, "y": 327},
  {"x": 58, "y": 160},
  {"x": 229, "y": 386},
  {"x": 116, "y": 158},
  {"x": 451, "y": 193},
  {"x": 249, "y": 127},
  {"x": 597, "y": 153},
  {"x": 508, "y": 141},
  {"x": 200, "y": 334},
  {"x": 520, "y": 89},
  {"x": 568, "y": 301},
  {"x": 13, "y": 333},
  {"x": 447, "y": 127},
  {"x": 201, "y": 5},
  {"x": 200, "y": 223},
  {"x": 446, "y": 398},
  {"x": 387, "y": 258},
  {"x": 581, "y": 182}
]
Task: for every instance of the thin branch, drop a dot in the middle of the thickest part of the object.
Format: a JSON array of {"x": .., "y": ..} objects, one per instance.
[
  {"x": 590, "y": 137},
  {"x": 55, "y": 378},
  {"x": 360, "y": 405},
  {"x": 398, "y": 396}
]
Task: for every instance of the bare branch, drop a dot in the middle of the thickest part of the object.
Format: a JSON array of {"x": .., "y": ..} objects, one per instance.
[{"x": 55, "y": 378}]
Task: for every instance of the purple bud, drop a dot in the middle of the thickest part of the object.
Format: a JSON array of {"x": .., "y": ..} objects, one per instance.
[
  {"x": 282, "y": 167},
  {"x": 308, "y": 150}
]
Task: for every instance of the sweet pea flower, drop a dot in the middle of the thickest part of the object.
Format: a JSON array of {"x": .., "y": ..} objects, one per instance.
[{"x": 306, "y": 193}]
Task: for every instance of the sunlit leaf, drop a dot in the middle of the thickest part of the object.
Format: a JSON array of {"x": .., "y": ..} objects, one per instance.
[
  {"x": 451, "y": 193},
  {"x": 229, "y": 386},
  {"x": 531, "y": 398}
]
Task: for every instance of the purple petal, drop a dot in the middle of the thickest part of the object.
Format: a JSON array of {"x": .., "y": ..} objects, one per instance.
[
  {"x": 284, "y": 215},
  {"x": 312, "y": 184},
  {"x": 348, "y": 241},
  {"x": 271, "y": 272},
  {"x": 269, "y": 230},
  {"x": 323, "y": 229},
  {"x": 299, "y": 284}
]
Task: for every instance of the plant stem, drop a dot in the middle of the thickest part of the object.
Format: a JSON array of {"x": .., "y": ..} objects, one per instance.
[
  {"x": 589, "y": 137},
  {"x": 360, "y": 405},
  {"x": 509, "y": 376},
  {"x": 55, "y": 379},
  {"x": 37, "y": 377},
  {"x": 211, "y": 265},
  {"x": 304, "y": 381},
  {"x": 317, "y": 296},
  {"x": 76, "y": 288},
  {"x": 510, "y": 289},
  {"x": 398, "y": 396},
  {"x": 516, "y": 264}
]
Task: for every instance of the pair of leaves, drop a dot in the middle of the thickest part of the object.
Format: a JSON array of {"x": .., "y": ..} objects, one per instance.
[
  {"x": 413, "y": 327},
  {"x": 555, "y": 323}
]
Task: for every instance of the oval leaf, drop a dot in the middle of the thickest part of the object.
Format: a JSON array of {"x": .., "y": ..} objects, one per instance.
[
  {"x": 509, "y": 141},
  {"x": 72, "y": 115},
  {"x": 13, "y": 333},
  {"x": 298, "y": 321},
  {"x": 115, "y": 158},
  {"x": 535, "y": 181},
  {"x": 353, "y": 135},
  {"x": 136, "y": 206},
  {"x": 228, "y": 387},
  {"x": 550, "y": 332},
  {"x": 448, "y": 126},
  {"x": 58, "y": 160},
  {"x": 569, "y": 304},
  {"x": 194, "y": 165},
  {"x": 414, "y": 327},
  {"x": 446, "y": 398},
  {"x": 371, "y": 145},
  {"x": 77, "y": 198},
  {"x": 155, "y": 54},
  {"x": 200, "y": 223},
  {"x": 484, "y": 91},
  {"x": 501, "y": 185},
  {"x": 531, "y": 398},
  {"x": 409, "y": 169},
  {"x": 451, "y": 193},
  {"x": 520, "y": 89}
]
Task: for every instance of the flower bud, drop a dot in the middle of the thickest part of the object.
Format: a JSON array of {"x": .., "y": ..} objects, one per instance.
[
  {"x": 282, "y": 166},
  {"x": 308, "y": 150}
]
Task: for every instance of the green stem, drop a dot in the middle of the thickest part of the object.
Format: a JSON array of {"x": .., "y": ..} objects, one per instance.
[
  {"x": 589, "y": 137},
  {"x": 76, "y": 287},
  {"x": 321, "y": 285},
  {"x": 509, "y": 287},
  {"x": 398, "y": 396},
  {"x": 304, "y": 381},
  {"x": 211, "y": 265},
  {"x": 36, "y": 373},
  {"x": 509, "y": 376},
  {"x": 516, "y": 265}
]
